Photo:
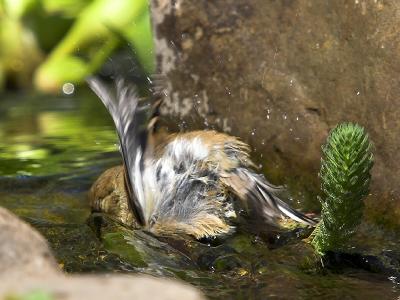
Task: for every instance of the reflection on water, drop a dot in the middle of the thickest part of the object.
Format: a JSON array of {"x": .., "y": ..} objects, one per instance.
[
  {"x": 52, "y": 136},
  {"x": 52, "y": 149}
]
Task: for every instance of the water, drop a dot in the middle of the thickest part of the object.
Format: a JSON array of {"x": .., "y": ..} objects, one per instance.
[{"x": 52, "y": 150}]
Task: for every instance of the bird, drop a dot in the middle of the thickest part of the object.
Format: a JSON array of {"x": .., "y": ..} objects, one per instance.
[{"x": 195, "y": 183}]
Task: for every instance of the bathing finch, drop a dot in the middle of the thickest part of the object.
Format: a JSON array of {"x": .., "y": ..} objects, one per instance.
[{"x": 193, "y": 183}]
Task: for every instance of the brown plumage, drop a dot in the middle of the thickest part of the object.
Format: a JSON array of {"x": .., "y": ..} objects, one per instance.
[{"x": 190, "y": 183}]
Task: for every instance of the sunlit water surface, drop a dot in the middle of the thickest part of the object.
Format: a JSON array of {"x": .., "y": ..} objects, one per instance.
[{"x": 51, "y": 151}]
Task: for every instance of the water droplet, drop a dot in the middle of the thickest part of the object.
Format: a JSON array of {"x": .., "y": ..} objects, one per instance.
[
  {"x": 68, "y": 88},
  {"x": 358, "y": 93}
]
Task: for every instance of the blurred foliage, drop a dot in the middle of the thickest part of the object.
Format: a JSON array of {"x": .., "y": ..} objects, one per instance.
[
  {"x": 345, "y": 179},
  {"x": 50, "y": 42}
]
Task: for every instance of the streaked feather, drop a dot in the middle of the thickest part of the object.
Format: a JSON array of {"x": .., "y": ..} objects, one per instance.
[
  {"x": 131, "y": 116},
  {"x": 253, "y": 187}
]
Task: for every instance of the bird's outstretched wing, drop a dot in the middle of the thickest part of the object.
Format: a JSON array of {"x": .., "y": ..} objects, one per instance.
[
  {"x": 134, "y": 118},
  {"x": 255, "y": 191}
]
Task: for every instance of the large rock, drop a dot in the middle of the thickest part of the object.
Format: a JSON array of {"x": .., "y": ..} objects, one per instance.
[
  {"x": 102, "y": 287},
  {"x": 24, "y": 253},
  {"x": 27, "y": 267},
  {"x": 280, "y": 74}
]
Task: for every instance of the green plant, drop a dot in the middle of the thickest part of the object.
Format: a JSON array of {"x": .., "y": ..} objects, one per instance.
[
  {"x": 51, "y": 42},
  {"x": 345, "y": 178},
  {"x": 92, "y": 38}
]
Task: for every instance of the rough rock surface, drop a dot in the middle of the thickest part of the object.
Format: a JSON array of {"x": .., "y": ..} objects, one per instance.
[
  {"x": 23, "y": 251},
  {"x": 280, "y": 74},
  {"x": 28, "y": 266}
]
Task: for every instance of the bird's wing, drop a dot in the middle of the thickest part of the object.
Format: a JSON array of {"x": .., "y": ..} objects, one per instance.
[
  {"x": 133, "y": 119},
  {"x": 255, "y": 191}
]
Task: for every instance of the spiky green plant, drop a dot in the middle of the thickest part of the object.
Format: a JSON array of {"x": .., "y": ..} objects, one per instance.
[{"x": 345, "y": 178}]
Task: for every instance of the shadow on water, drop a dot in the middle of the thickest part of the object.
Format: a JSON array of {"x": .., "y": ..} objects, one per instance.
[{"x": 52, "y": 150}]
